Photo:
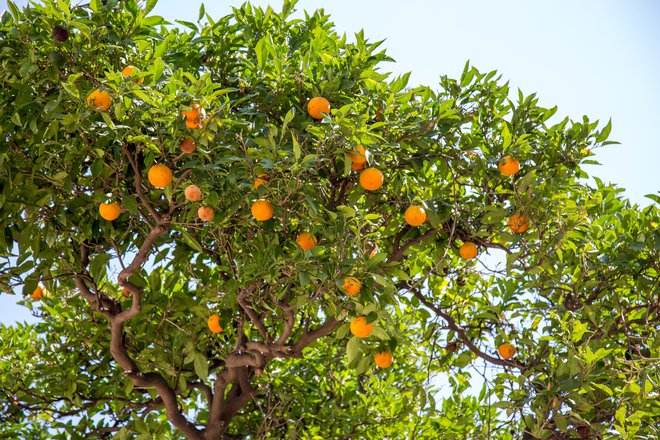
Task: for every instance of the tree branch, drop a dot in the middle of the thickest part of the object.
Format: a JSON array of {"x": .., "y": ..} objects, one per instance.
[
  {"x": 139, "y": 259},
  {"x": 397, "y": 253},
  {"x": 249, "y": 311},
  {"x": 290, "y": 319},
  {"x": 307, "y": 338},
  {"x": 138, "y": 186},
  {"x": 460, "y": 331}
]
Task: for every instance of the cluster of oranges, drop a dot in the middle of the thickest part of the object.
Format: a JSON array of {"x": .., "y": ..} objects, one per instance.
[
  {"x": 370, "y": 178},
  {"x": 101, "y": 100}
]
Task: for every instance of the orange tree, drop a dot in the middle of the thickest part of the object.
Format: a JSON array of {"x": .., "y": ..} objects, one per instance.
[{"x": 218, "y": 255}]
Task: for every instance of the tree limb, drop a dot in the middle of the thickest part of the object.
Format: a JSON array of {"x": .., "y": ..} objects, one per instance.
[
  {"x": 249, "y": 311},
  {"x": 460, "y": 331}
]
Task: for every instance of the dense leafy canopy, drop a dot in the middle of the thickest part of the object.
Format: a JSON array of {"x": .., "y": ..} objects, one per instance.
[{"x": 122, "y": 348}]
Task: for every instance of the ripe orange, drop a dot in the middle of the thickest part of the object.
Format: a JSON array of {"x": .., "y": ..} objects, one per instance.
[
  {"x": 214, "y": 323},
  {"x": 109, "y": 211},
  {"x": 205, "y": 213},
  {"x": 262, "y": 210},
  {"x": 306, "y": 241},
  {"x": 160, "y": 175},
  {"x": 518, "y": 223},
  {"x": 508, "y": 166},
  {"x": 100, "y": 100},
  {"x": 351, "y": 286},
  {"x": 357, "y": 167},
  {"x": 187, "y": 146},
  {"x": 192, "y": 116},
  {"x": 260, "y": 180},
  {"x": 37, "y": 294},
  {"x": 128, "y": 71},
  {"x": 506, "y": 350},
  {"x": 193, "y": 122},
  {"x": 317, "y": 106},
  {"x": 468, "y": 250},
  {"x": 360, "y": 328},
  {"x": 371, "y": 179},
  {"x": 383, "y": 359},
  {"x": 358, "y": 155},
  {"x": 193, "y": 113},
  {"x": 192, "y": 193},
  {"x": 415, "y": 215}
]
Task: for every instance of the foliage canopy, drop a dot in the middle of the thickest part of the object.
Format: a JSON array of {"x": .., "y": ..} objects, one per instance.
[{"x": 122, "y": 349}]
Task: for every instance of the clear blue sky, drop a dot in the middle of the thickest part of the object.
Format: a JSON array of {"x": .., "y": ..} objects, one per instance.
[{"x": 595, "y": 57}]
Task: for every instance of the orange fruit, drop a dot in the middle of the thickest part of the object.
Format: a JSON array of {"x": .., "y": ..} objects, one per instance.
[
  {"x": 262, "y": 210},
  {"x": 214, "y": 323},
  {"x": 317, "y": 106},
  {"x": 187, "y": 146},
  {"x": 360, "y": 328},
  {"x": 506, "y": 350},
  {"x": 128, "y": 71},
  {"x": 193, "y": 113},
  {"x": 100, "y": 100},
  {"x": 260, "y": 180},
  {"x": 160, "y": 175},
  {"x": 518, "y": 223},
  {"x": 508, "y": 166},
  {"x": 109, "y": 211},
  {"x": 306, "y": 241},
  {"x": 205, "y": 213},
  {"x": 351, "y": 286},
  {"x": 37, "y": 294},
  {"x": 358, "y": 155},
  {"x": 192, "y": 193},
  {"x": 357, "y": 167},
  {"x": 468, "y": 250},
  {"x": 193, "y": 122},
  {"x": 371, "y": 179},
  {"x": 415, "y": 215},
  {"x": 383, "y": 359},
  {"x": 125, "y": 292}
]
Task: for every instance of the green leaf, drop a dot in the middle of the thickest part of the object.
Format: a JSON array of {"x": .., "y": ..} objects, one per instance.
[
  {"x": 108, "y": 120},
  {"x": 464, "y": 359},
  {"x": 352, "y": 349},
  {"x": 654, "y": 197},
  {"x": 605, "y": 132},
  {"x": 157, "y": 68},
  {"x": 381, "y": 280},
  {"x": 603, "y": 388},
  {"x": 202, "y": 11},
  {"x": 620, "y": 416},
  {"x": 261, "y": 52},
  {"x": 131, "y": 204},
  {"x": 364, "y": 363},
  {"x": 506, "y": 136},
  {"x": 190, "y": 241},
  {"x": 201, "y": 366},
  {"x": 399, "y": 83},
  {"x": 561, "y": 422},
  {"x": 346, "y": 211},
  {"x": 296, "y": 147},
  {"x": 149, "y": 6},
  {"x": 287, "y": 119},
  {"x": 64, "y": 7},
  {"x": 161, "y": 49},
  {"x": 579, "y": 330}
]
